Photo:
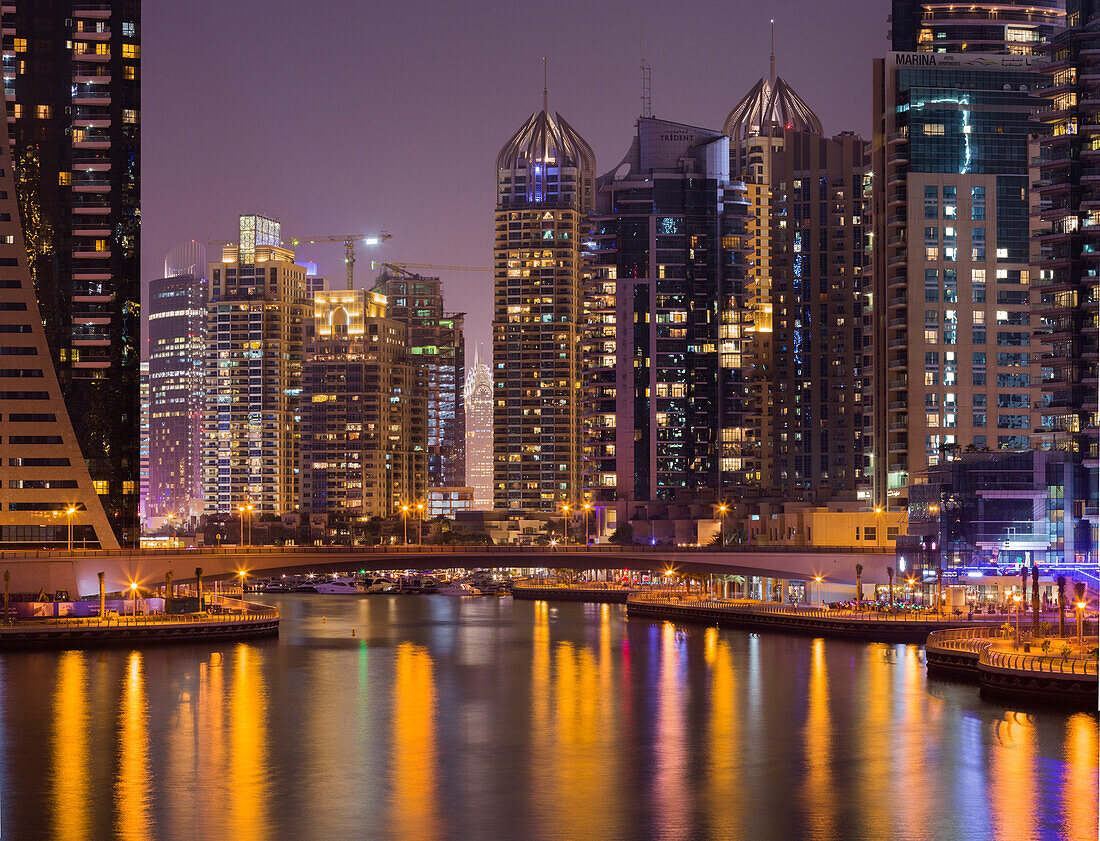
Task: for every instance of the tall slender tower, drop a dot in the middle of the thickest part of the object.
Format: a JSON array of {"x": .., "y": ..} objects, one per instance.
[
  {"x": 951, "y": 292},
  {"x": 254, "y": 339},
  {"x": 545, "y": 175},
  {"x": 478, "y": 399},
  {"x": 72, "y": 77}
]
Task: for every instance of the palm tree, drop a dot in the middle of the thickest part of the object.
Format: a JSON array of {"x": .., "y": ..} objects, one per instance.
[
  {"x": 859, "y": 586},
  {"x": 1061, "y": 605},
  {"x": 1035, "y": 603},
  {"x": 890, "y": 574}
]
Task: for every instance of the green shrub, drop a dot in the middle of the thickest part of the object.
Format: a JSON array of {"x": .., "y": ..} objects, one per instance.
[{"x": 1045, "y": 646}]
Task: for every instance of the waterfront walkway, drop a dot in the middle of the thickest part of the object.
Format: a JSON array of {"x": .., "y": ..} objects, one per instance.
[
  {"x": 232, "y": 619},
  {"x": 1064, "y": 673},
  {"x": 596, "y": 591},
  {"x": 893, "y": 625}
]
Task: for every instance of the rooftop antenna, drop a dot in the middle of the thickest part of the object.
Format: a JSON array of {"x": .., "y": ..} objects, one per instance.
[
  {"x": 773, "y": 54},
  {"x": 545, "y": 86},
  {"x": 647, "y": 99}
]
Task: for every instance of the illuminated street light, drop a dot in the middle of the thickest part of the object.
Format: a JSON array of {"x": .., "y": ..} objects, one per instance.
[
  {"x": 405, "y": 522},
  {"x": 1081, "y": 624},
  {"x": 419, "y": 523},
  {"x": 134, "y": 593},
  {"x": 69, "y": 515},
  {"x": 1016, "y": 598},
  {"x": 565, "y": 522},
  {"x": 722, "y": 509}
]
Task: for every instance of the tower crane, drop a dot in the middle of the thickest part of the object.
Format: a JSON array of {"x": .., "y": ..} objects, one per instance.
[
  {"x": 403, "y": 268},
  {"x": 349, "y": 241}
]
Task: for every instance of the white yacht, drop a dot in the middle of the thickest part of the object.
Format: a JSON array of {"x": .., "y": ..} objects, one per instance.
[
  {"x": 377, "y": 584},
  {"x": 339, "y": 586}
]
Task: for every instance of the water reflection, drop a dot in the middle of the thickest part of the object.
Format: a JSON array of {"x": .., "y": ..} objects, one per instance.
[
  {"x": 819, "y": 794},
  {"x": 535, "y": 721},
  {"x": 1079, "y": 782},
  {"x": 70, "y": 760},
  {"x": 413, "y": 810},
  {"x": 132, "y": 795}
]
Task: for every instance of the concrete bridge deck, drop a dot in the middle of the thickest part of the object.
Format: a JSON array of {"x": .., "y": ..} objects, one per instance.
[{"x": 77, "y": 571}]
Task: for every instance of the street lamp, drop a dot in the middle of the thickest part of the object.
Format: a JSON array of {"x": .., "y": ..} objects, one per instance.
[
  {"x": 587, "y": 507},
  {"x": 405, "y": 522},
  {"x": 246, "y": 512},
  {"x": 419, "y": 523},
  {"x": 878, "y": 531},
  {"x": 565, "y": 522},
  {"x": 244, "y": 580},
  {"x": 1016, "y": 598},
  {"x": 722, "y": 509},
  {"x": 134, "y": 593},
  {"x": 69, "y": 516},
  {"x": 1080, "y": 624},
  {"x": 817, "y": 578}
]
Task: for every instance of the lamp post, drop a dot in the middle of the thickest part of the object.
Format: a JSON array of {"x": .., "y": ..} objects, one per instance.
[
  {"x": 1080, "y": 624},
  {"x": 244, "y": 580},
  {"x": 134, "y": 593},
  {"x": 565, "y": 522},
  {"x": 419, "y": 523},
  {"x": 818, "y": 579},
  {"x": 246, "y": 512},
  {"x": 1016, "y": 598},
  {"x": 722, "y": 509},
  {"x": 405, "y": 522},
  {"x": 587, "y": 507},
  {"x": 69, "y": 516},
  {"x": 878, "y": 530}
]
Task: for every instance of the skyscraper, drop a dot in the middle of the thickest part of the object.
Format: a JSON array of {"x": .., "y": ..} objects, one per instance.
[
  {"x": 1066, "y": 238},
  {"x": 437, "y": 344},
  {"x": 254, "y": 336},
  {"x": 363, "y": 413},
  {"x": 47, "y": 497},
  {"x": 804, "y": 342},
  {"x": 478, "y": 401},
  {"x": 72, "y": 82},
  {"x": 666, "y": 392},
  {"x": 951, "y": 292},
  {"x": 544, "y": 182},
  {"x": 177, "y": 352}
]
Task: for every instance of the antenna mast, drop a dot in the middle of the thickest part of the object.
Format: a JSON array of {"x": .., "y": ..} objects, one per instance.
[
  {"x": 773, "y": 55},
  {"x": 647, "y": 99}
]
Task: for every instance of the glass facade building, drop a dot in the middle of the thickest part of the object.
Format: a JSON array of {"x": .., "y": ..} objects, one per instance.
[{"x": 72, "y": 76}]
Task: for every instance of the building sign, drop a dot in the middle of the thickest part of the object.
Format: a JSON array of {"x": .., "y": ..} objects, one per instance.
[{"x": 967, "y": 61}]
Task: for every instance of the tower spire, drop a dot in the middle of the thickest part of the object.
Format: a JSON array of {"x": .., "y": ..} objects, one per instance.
[
  {"x": 772, "y": 77},
  {"x": 545, "y": 87},
  {"x": 647, "y": 100}
]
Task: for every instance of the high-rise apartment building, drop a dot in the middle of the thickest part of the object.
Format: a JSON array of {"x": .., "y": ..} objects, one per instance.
[
  {"x": 72, "y": 84},
  {"x": 545, "y": 191},
  {"x": 177, "y": 354},
  {"x": 254, "y": 336},
  {"x": 951, "y": 295},
  {"x": 47, "y": 497},
  {"x": 437, "y": 343},
  {"x": 477, "y": 398},
  {"x": 1066, "y": 242},
  {"x": 363, "y": 413},
  {"x": 805, "y": 291},
  {"x": 666, "y": 391}
]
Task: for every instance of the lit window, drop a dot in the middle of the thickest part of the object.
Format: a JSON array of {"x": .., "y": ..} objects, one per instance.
[
  {"x": 42, "y": 112},
  {"x": 20, "y": 45},
  {"x": 100, "y": 486},
  {"x": 129, "y": 115},
  {"x": 64, "y": 179},
  {"x": 131, "y": 51}
]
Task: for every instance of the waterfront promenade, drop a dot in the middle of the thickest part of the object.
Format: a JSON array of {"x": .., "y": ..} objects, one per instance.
[
  {"x": 1063, "y": 673},
  {"x": 878, "y": 625},
  {"x": 230, "y": 619}
]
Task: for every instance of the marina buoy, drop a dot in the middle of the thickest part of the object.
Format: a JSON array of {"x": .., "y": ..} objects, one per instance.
[
  {"x": 323, "y": 620},
  {"x": 353, "y": 632}
]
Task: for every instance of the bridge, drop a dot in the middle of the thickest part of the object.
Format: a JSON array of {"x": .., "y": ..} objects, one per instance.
[{"x": 78, "y": 571}]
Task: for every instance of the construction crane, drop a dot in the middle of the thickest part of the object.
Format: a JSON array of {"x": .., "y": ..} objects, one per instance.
[
  {"x": 403, "y": 268},
  {"x": 349, "y": 241}
]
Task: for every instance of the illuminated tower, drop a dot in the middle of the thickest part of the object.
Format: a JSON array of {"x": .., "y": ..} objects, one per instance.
[
  {"x": 254, "y": 337},
  {"x": 72, "y": 80},
  {"x": 949, "y": 315},
  {"x": 544, "y": 182},
  {"x": 478, "y": 399}
]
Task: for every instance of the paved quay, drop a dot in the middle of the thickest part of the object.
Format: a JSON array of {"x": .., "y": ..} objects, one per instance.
[
  {"x": 1064, "y": 673},
  {"x": 235, "y": 619},
  {"x": 874, "y": 625},
  {"x": 595, "y": 592}
]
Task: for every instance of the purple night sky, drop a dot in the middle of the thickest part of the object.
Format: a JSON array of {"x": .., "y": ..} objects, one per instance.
[{"x": 353, "y": 117}]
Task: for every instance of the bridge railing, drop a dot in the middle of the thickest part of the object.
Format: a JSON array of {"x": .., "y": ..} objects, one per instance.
[
  {"x": 422, "y": 549},
  {"x": 124, "y": 621}
]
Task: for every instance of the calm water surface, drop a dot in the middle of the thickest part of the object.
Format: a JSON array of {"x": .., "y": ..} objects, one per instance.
[{"x": 448, "y": 718}]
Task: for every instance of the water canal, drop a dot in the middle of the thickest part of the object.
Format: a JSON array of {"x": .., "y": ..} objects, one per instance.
[{"x": 449, "y": 718}]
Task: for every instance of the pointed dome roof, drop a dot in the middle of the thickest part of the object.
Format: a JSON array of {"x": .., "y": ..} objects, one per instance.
[
  {"x": 548, "y": 139},
  {"x": 770, "y": 105}
]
